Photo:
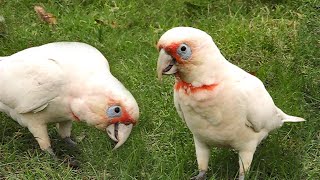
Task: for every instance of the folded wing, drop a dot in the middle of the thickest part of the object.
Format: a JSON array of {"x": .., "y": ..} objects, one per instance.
[{"x": 29, "y": 84}]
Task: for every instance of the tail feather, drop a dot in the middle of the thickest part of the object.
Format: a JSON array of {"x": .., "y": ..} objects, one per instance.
[
  {"x": 288, "y": 118},
  {"x": 293, "y": 119}
]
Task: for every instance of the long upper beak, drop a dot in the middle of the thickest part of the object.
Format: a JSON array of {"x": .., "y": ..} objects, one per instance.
[
  {"x": 119, "y": 133},
  {"x": 166, "y": 64}
]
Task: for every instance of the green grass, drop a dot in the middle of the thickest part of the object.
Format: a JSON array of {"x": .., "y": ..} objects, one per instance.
[{"x": 279, "y": 40}]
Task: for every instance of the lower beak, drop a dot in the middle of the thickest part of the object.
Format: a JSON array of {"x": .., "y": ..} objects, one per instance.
[
  {"x": 119, "y": 133},
  {"x": 166, "y": 64}
]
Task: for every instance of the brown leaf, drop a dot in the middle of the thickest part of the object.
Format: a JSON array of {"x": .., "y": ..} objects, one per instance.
[
  {"x": 114, "y": 24},
  {"x": 43, "y": 15}
]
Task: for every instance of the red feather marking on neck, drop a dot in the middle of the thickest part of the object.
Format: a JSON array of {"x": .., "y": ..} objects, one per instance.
[{"x": 189, "y": 88}]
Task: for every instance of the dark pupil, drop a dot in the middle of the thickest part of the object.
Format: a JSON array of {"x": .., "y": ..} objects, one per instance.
[
  {"x": 183, "y": 48},
  {"x": 117, "y": 110}
]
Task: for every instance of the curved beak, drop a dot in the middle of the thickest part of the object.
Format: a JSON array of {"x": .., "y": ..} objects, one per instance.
[
  {"x": 119, "y": 133},
  {"x": 166, "y": 64}
]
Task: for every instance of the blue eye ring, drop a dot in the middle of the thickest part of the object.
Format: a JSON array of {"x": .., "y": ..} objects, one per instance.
[
  {"x": 114, "y": 111},
  {"x": 184, "y": 51}
]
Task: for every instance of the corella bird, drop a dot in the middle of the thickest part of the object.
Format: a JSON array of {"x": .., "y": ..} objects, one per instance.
[
  {"x": 221, "y": 104},
  {"x": 61, "y": 83}
]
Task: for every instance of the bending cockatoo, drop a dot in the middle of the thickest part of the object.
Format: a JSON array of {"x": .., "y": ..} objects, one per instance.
[
  {"x": 221, "y": 104},
  {"x": 61, "y": 83}
]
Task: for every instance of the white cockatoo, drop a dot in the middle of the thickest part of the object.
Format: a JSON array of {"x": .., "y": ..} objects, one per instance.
[
  {"x": 221, "y": 104},
  {"x": 65, "y": 82}
]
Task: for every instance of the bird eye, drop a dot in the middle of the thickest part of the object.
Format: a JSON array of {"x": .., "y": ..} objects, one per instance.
[
  {"x": 114, "y": 111},
  {"x": 184, "y": 51}
]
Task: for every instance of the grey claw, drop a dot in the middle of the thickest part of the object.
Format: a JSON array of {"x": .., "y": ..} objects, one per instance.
[
  {"x": 70, "y": 142},
  {"x": 201, "y": 176},
  {"x": 72, "y": 162},
  {"x": 52, "y": 154}
]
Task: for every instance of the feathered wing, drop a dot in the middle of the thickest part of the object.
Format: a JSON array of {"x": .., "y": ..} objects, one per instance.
[
  {"x": 30, "y": 78},
  {"x": 260, "y": 110},
  {"x": 262, "y": 113},
  {"x": 28, "y": 84}
]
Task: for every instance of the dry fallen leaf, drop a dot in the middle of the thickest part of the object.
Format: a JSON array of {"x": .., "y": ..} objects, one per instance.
[
  {"x": 114, "y": 24},
  {"x": 47, "y": 17}
]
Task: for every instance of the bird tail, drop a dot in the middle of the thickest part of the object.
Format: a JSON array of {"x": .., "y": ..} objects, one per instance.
[
  {"x": 288, "y": 118},
  {"x": 293, "y": 119}
]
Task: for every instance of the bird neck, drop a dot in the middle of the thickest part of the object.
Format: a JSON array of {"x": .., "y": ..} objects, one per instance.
[
  {"x": 190, "y": 88},
  {"x": 204, "y": 71}
]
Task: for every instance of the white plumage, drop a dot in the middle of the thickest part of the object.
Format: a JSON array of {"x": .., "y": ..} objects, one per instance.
[
  {"x": 63, "y": 82},
  {"x": 221, "y": 104}
]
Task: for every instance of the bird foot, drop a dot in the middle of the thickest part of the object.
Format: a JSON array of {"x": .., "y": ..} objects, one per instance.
[
  {"x": 72, "y": 162},
  {"x": 70, "y": 142},
  {"x": 201, "y": 176}
]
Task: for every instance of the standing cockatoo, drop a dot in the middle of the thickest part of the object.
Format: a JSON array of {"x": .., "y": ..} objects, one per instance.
[
  {"x": 221, "y": 104},
  {"x": 61, "y": 83}
]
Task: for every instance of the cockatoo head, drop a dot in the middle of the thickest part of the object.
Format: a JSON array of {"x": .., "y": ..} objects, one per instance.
[
  {"x": 185, "y": 52},
  {"x": 109, "y": 108}
]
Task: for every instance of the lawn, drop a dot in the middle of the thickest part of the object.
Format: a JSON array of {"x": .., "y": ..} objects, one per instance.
[{"x": 276, "y": 40}]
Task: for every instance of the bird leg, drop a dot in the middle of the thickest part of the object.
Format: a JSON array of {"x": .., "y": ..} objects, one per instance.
[
  {"x": 64, "y": 130},
  {"x": 245, "y": 159},
  {"x": 203, "y": 153},
  {"x": 70, "y": 142},
  {"x": 40, "y": 133}
]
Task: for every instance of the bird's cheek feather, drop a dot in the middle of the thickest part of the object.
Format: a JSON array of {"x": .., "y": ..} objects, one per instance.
[
  {"x": 172, "y": 51},
  {"x": 124, "y": 119}
]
